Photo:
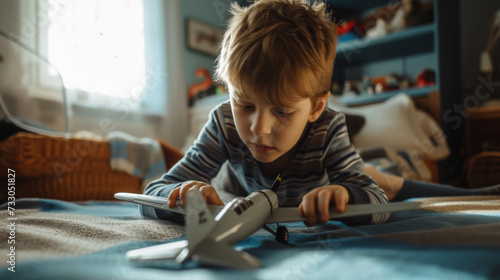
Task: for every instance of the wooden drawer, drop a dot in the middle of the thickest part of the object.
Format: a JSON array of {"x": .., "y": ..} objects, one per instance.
[{"x": 482, "y": 130}]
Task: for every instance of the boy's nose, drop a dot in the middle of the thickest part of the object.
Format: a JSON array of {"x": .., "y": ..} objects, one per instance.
[{"x": 261, "y": 124}]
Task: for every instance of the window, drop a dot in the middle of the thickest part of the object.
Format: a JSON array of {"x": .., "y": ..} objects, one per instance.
[
  {"x": 98, "y": 46},
  {"x": 142, "y": 59}
]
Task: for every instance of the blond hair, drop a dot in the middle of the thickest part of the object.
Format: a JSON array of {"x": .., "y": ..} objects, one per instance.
[{"x": 279, "y": 48}]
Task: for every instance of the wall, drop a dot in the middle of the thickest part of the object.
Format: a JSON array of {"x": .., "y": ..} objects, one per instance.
[
  {"x": 475, "y": 22},
  {"x": 213, "y": 12},
  {"x": 9, "y": 9}
]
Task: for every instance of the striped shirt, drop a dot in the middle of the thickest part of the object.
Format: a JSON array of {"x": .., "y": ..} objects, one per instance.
[{"x": 323, "y": 157}]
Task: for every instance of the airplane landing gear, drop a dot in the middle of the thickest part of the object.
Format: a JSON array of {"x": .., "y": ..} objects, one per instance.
[{"x": 282, "y": 235}]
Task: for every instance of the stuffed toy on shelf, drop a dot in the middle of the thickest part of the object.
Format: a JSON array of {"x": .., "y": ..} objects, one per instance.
[{"x": 396, "y": 17}]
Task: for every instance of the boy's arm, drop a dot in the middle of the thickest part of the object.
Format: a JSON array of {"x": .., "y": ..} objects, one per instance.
[
  {"x": 201, "y": 163},
  {"x": 345, "y": 167}
]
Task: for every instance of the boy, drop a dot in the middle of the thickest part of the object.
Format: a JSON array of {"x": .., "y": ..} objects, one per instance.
[{"x": 277, "y": 61}]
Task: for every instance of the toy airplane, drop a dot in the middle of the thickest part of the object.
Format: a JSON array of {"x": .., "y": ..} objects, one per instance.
[{"x": 212, "y": 230}]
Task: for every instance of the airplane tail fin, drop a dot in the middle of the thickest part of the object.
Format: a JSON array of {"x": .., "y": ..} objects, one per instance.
[
  {"x": 199, "y": 222},
  {"x": 221, "y": 254}
]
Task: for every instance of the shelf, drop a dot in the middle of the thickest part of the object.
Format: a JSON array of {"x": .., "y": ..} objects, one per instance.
[
  {"x": 367, "y": 99},
  {"x": 346, "y": 7},
  {"x": 406, "y": 42}
]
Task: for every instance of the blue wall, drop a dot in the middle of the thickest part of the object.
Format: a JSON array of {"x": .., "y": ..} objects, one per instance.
[{"x": 213, "y": 12}]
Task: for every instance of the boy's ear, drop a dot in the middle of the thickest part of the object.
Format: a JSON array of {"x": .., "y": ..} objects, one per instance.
[{"x": 320, "y": 106}]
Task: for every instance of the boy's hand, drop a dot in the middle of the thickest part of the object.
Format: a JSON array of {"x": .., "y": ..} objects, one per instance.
[
  {"x": 315, "y": 204},
  {"x": 207, "y": 191}
]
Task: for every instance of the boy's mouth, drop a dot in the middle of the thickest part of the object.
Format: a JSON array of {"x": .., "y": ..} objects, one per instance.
[{"x": 261, "y": 148}]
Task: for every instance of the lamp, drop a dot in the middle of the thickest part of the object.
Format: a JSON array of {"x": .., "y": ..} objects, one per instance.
[{"x": 485, "y": 64}]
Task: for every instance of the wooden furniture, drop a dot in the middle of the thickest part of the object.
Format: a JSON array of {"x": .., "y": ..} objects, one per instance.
[
  {"x": 482, "y": 132},
  {"x": 482, "y": 169},
  {"x": 482, "y": 146}
]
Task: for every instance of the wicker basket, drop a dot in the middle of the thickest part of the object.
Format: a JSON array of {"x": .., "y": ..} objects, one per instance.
[
  {"x": 483, "y": 169},
  {"x": 61, "y": 168},
  {"x": 40, "y": 156},
  {"x": 77, "y": 187}
]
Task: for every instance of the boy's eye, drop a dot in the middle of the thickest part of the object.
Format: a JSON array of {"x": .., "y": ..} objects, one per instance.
[
  {"x": 281, "y": 113},
  {"x": 245, "y": 106}
]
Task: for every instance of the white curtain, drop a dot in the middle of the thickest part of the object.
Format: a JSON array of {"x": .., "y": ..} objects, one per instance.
[
  {"x": 122, "y": 55},
  {"x": 173, "y": 127}
]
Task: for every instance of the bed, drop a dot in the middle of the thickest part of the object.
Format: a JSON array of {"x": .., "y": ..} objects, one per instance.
[
  {"x": 449, "y": 238},
  {"x": 86, "y": 237},
  {"x": 400, "y": 135}
]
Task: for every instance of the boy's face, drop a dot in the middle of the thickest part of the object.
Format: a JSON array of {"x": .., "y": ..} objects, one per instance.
[{"x": 270, "y": 130}]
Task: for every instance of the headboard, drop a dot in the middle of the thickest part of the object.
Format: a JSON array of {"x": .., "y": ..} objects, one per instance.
[{"x": 430, "y": 104}]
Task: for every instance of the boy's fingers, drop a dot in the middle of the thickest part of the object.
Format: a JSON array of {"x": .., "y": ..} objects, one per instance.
[
  {"x": 215, "y": 199},
  {"x": 341, "y": 199},
  {"x": 308, "y": 209},
  {"x": 324, "y": 197},
  {"x": 206, "y": 192},
  {"x": 184, "y": 188},
  {"x": 210, "y": 195},
  {"x": 172, "y": 197}
]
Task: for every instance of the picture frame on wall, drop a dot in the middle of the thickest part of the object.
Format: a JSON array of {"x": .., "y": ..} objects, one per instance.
[{"x": 202, "y": 37}]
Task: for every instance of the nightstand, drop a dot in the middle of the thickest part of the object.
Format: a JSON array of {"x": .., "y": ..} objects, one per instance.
[
  {"x": 482, "y": 140},
  {"x": 482, "y": 130}
]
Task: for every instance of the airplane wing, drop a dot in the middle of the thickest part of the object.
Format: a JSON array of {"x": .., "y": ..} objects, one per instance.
[
  {"x": 291, "y": 214},
  {"x": 161, "y": 203},
  {"x": 220, "y": 254},
  {"x": 157, "y": 252}
]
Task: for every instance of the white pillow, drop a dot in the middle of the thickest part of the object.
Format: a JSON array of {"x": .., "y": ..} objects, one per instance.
[
  {"x": 434, "y": 144},
  {"x": 398, "y": 124}
]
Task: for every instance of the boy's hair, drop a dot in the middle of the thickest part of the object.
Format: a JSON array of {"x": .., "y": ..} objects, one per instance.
[{"x": 279, "y": 48}]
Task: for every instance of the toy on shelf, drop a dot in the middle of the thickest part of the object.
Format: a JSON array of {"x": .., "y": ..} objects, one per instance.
[
  {"x": 346, "y": 31},
  {"x": 344, "y": 27},
  {"x": 425, "y": 78},
  {"x": 385, "y": 83},
  {"x": 367, "y": 86},
  {"x": 204, "y": 88},
  {"x": 392, "y": 18},
  {"x": 417, "y": 12},
  {"x": 372, "y": 85}
]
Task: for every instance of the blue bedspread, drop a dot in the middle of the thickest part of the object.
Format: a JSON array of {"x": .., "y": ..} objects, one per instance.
[{"x": 451, "y": 238}]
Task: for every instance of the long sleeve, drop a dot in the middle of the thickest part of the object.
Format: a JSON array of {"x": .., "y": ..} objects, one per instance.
[
  {"x": 201, "y": 163},
  {"x": 345, "y": 167}
]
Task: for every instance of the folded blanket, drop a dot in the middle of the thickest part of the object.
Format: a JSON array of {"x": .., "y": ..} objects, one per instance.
[
  {"x": 140, "y": 157},
  {"x": 406, "y": 163}
]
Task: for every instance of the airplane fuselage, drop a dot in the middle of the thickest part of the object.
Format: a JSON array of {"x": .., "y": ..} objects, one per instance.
[{"x": 243, "y": 216}]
